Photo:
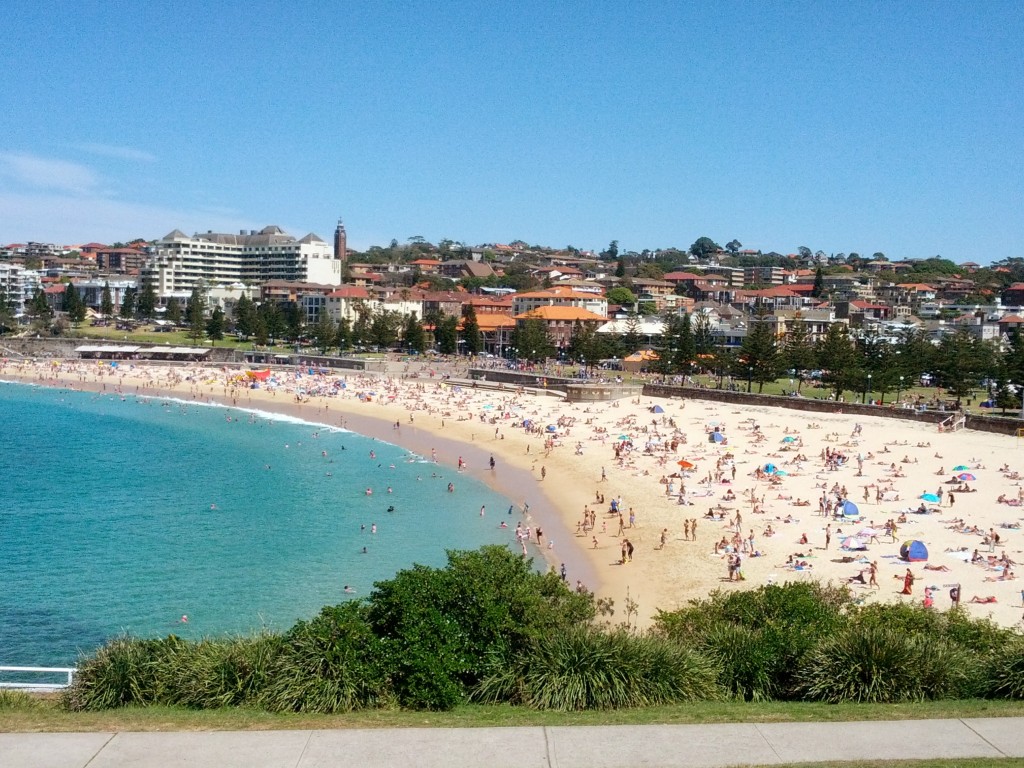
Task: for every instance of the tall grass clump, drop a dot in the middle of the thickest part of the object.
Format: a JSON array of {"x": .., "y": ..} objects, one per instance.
[
  {"x": 214, "y": 673},
  {"x": 17, "y": 700},
  {"x": 122, "y": 672},
  {"x": 868, "y": 663},
  {"x": 759, "y": 637},
  {"x": 333, "y": 663},
  {"x": 588, "y": 668},
  {"x": 1005, "y": 671}
]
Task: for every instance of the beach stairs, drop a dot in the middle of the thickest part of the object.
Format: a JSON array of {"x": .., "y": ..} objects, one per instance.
[{"x": 953, "y": 423}]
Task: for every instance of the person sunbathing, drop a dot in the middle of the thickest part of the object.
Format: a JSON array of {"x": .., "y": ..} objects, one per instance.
[
  {"x": 931, "y": 567},
  {"x": 983, "y": 600}
]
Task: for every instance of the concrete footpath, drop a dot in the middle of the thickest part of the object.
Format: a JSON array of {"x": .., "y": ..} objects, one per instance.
[{"x": 717, "y": 745}]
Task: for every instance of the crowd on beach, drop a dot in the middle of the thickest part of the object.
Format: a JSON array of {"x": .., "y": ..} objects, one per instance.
[{"x": 776, "y": 494}]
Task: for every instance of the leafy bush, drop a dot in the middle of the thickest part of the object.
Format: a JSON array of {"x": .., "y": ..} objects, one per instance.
[
  {"x": 438, "y": 626},
  {"x": 330, "y": 664},
  {"x": 867, "y": 663},
  {"x": 758, "y": 637},
  {"x": 587, "y": 668}
]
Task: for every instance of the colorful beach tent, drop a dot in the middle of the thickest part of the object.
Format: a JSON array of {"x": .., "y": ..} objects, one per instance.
[
  {"x": 657, "y": 409},
  {"x": 258, "y": 375},
  {"x": 914, "y": 551},
  {"x": 850, "y": 509},
  {"x": 717, "y": 437}
]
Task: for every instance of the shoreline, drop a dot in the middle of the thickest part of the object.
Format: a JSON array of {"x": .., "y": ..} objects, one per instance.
[{"x": 629, "y": 449}]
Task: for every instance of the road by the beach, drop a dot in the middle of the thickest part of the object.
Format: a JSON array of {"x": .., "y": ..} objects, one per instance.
[{"x": 695, "y": 746}]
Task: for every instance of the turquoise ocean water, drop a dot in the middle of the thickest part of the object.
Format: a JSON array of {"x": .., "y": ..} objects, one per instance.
[{"x": 122, "y": 515}]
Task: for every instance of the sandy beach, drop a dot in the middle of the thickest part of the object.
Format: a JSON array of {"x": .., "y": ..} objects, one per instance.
[{"x": 796, "y": 496}]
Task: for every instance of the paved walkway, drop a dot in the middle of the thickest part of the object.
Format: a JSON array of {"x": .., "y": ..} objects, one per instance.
[{"x": 697, "y": 746}]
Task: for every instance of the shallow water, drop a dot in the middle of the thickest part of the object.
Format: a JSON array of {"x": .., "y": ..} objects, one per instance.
[{"x": 125, "y": 514}]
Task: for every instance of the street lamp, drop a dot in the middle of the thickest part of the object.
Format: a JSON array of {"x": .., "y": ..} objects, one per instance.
[
  {"x": 898, "y": 390},
  {"x": 867, "y": 388}
]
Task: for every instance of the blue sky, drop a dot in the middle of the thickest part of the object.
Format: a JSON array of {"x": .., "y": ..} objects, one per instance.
[{"x": 857, "y": 126}]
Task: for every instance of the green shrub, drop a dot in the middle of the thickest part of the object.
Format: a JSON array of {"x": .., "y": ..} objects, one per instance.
[
  {"x": 122, "y": 672},
  {"x": 333, "y": 663},
  {"x": 216, "y": 673},
  {"x": 867, "y": 663},
  {"x": 587, "y": 668},
  {"x": 1005, "y": 678},
  {"x": 759, "y": 637},
  {"x": 747, "y": 660},
  {"x": 438, "y": 626}
]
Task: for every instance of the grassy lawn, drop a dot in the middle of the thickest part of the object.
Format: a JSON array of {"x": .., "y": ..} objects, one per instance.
[{"x": 19, "y": 712}]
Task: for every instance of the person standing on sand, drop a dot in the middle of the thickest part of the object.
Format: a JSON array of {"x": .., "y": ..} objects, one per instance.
[{"x": 828, "y": 535}]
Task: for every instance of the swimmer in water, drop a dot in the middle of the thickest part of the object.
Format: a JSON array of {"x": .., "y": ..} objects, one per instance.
[
  {"x": 349, "y": 590},
  {"x": 369, "y": 492},
  {"x": 184, "y": 618}
]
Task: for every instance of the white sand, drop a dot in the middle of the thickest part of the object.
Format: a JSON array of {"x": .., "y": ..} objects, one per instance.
[{"x": 903, "y": 457}]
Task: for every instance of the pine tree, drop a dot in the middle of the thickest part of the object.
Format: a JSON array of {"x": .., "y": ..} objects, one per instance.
[
  {"x": 173, "y": 311},
  {"x": 245, "y": 316},
  {"x": 471, "y": 336},
  {"x": 106, "y": 301},
  {"x": 631, "y": 338},
  {"x": 146, "y": 304},
  {"x": 215, "y": 325},
  {"x": 819, "y": 283},
  {"x": 531, "y": 342},
  {"x": 798, "y": 353},
  {"x": 414, "y": 337},
  {"x": 759, "y": 353},
  {"x": 343, "y": 335},
  {"x": 195, "y": 313},
  {"x": 39, "y": 307},
  {"x": 260, "y": 334},
  {"x": 446, "y": 334},
  {"x": 838, "y": 359},
  {"x": 324, "y": 333},
  {"x": 127, "y": 310}
]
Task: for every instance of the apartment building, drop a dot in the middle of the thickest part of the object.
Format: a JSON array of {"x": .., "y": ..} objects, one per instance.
[{"x": 251, "y": 257}]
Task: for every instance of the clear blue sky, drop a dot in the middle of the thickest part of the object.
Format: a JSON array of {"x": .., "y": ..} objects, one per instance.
[{"x": 851, "y": 126}]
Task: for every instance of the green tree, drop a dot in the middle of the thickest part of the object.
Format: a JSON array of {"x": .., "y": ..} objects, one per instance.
[
  {"x": 324, "y": 334},
  {"x": 620, "y": 268},
  {"x": 612, "y": 251},
  {"x": 73, "y": 305},
  {"x": 704, "y": 247},
  {"x": 215, "y": 324},
  {"x": 471, "y": 337},
  {"x": 413, "y": 336},
  {"x": 195, "y": 312},
  {"x": 146, "y": 304},
  {"x": 361, "y": 326},
  {"x": 294, "y": 322},
  {"x": 586, "y": 346},
  {"x": 127, "y": 310},
  {"x": 703, "y": 339},
  {"x": 818, "y": 289},
  {"x": 106, "y": 301},
  {"x": 733, "y": 246},
  {"x": 622, "y": 296},
  {"x": 245, "y": 316},
  {"x": 39, "y": 307},
  {"x": 343, "y": 337},
  {"x": 7, "y": 320},
  {"x": 798, "y": 352},
  {"x": 173, "y": 314},
  {"x": 838, "y": 359},
  {"x": 631, "y": 338},
  {"x": 261, "y": 334},
  {"x": 960, "y": 361},
  {"x": 759, "y": 353},
  {"x": 531, "y": 342},
  {"x": 384, "y": 328},
  {"x": 446, "y": 334}
]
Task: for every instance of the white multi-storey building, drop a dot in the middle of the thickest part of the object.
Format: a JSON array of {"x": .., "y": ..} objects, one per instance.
[
  {"x": 180, "y": 263},
  {"x": 17, "y": 285}
]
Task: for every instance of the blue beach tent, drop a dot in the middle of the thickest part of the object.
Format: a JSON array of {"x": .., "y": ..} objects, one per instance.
[
  {"x": 914, "y": 551},
  {"x": 850, "y": 509}
]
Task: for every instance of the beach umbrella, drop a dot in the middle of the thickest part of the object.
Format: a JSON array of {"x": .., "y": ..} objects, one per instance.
[
  {"x": 965, "y": 476},
  {"x": 686, "y": 464},
  {"x": 929, "y": 497},
  {"x": 769, "y": 468},
  {"x": 960, "y": 468},
  {"x": 852, "y": 542}
]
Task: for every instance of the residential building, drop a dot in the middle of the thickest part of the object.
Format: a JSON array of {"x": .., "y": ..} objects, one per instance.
[
  {"x": 18, "y": 285},
  {"x": 559, "y": 296},
  {"x": 122, "y": 261},
  {"x": 181, "y": 263},
  {"x": 561, "y": 320}
]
